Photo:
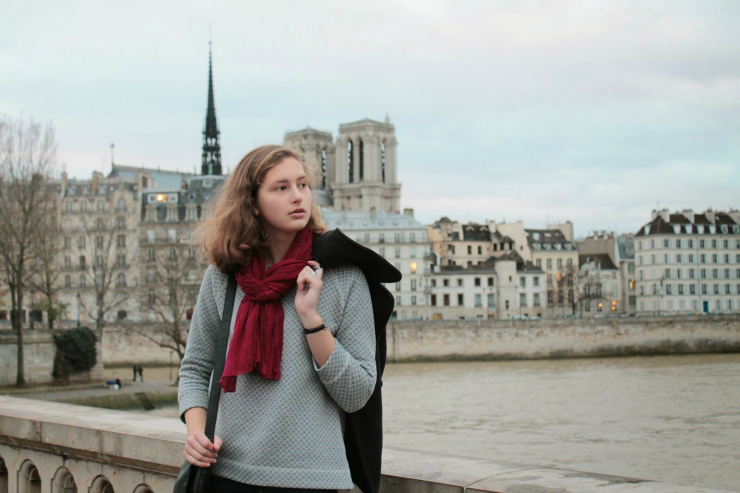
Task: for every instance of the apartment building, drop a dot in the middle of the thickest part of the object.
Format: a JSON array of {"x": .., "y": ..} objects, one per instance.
[{"x": 688, "y": 262}]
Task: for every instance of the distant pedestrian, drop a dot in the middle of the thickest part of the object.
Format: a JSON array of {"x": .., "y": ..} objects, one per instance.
[
  {"x": 136, "y": 371},
  {"x": 141, "y": 373}
]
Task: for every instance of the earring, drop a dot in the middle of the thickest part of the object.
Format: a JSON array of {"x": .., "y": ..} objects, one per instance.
[{"x": 256, "y": 212}]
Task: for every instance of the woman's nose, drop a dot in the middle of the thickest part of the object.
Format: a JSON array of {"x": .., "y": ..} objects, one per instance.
[{"x": 297, "y": 197}]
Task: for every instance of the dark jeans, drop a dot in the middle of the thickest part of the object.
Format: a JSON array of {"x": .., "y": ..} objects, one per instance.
[{"x": 223, "y": 485}]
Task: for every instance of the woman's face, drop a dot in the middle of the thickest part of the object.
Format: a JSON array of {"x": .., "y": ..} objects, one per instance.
[{"x": 284, "y": 198}]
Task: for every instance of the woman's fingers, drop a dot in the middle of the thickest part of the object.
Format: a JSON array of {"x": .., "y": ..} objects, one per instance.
[{"x": 199, "y": 450}]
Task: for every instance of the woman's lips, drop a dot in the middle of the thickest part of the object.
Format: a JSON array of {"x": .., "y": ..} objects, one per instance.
[{"x": 298, "y": 213}]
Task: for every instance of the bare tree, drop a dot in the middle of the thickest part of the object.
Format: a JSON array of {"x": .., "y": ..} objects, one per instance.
[
  {"x": 169, "y": 289},
  {"x": 107, "y": 271},
  {"x": 46, "y": 268},
  {"x": 27, "y": 160}
]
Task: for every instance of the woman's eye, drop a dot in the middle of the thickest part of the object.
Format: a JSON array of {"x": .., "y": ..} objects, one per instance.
[{"x": 303, "y": 185}]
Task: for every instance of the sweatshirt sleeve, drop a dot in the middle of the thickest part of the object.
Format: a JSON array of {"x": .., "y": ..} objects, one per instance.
[
  {"x": 349, "y": 374},
  {"x": 197, "y": 363}
]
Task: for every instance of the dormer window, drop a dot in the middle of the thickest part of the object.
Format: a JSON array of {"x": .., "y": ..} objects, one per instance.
[
  {"x": 712, "y": 229},
  {"x": 724, "y": 228},
  {"x": 647, "y": 229},
  {"x": 558, "y": 246},
  {"x": 687, "y": 228},
  {"x": 536, "y": 236},
  {"x": 700, "y": 229},
  {"x": 677, "y": 229}
]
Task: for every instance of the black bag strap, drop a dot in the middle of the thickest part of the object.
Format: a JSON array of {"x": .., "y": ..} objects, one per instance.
[{"x": 220, "y": 361}]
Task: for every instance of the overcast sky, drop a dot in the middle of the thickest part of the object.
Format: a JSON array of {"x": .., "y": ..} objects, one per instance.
[{"x": 593, "y": 111}]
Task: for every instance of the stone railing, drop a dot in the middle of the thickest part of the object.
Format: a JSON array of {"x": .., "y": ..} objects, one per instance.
[{"x": 55, "y": 447}]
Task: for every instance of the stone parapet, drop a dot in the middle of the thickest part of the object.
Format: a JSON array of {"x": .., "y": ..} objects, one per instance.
[{"x": 138, "y": 453}]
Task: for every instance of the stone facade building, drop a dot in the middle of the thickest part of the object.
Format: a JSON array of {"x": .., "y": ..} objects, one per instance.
[{"x": 688, "y": 262}]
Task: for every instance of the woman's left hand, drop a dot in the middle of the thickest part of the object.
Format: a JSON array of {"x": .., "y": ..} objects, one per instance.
[{"x": 307, "y": 297}]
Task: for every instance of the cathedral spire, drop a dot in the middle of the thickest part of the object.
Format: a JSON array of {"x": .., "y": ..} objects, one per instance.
[{"x": 211, "y": 164}]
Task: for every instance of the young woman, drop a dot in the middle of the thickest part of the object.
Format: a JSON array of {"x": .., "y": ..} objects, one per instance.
[{"x": 286, "y": 386}]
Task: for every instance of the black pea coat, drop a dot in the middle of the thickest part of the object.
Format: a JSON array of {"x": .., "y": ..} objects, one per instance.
[{"x": 363, "y": 434}]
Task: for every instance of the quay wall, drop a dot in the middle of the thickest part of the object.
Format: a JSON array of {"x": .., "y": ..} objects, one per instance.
[
  {"x": 46, "y": 446},
  {"x": 439, "y": 340},
  {"x": 561, "y": 338}
]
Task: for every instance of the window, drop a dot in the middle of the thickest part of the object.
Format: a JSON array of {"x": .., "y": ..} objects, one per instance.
[
  {"x": 152, "y": 215},
  {"x": 703, "y": 289},
  {"x": 480, "y": 250},
  {"x": 652, "y": 259},
  {"x": 121, "y": 223},
  {"x": 714, "y": 258},
  {"x": 152, "y": 298},
  {"x": 691, "y": 258},
  {"x": 478, "y": 301},
  {"x": 397, "y": 238},
  {"x": 412, "y": 237},
  {"x": 692, "y": 288},
  {"x": 490, "y": 281},
  {"x": 680, "y": 289},
  {"x": 150, "y": 255},
  {"x": 570, "y": 263},
  {"x": 81, "y": 242},
  {"x": 459, "y": 282},
  {"x": 83, "y": 266},
  {"x": 678, "y": 243},
  {"x": 668, "y": 289},
  {"x": 667, "y": 273},
  {"x": 701, "y": 242},
  {"x": 68, "y": 207},
  {"x": 507, "y": 304},
  {"x": 536, "y": 299},
  {"x": 549, "y": 264},
  {"x": 560, "y": 263},
  {"x": 678, "y": 258},
  {"x": 398, "y": 300},
  {"x": 67, "y": 262},
  {"x": 99, "y": 241},
  {"x": 538, "y": 263},
  {"x": 715, "y": 274},
  {"x": 703, "y": 258},
  {"x": 67, "y": 281},
  {"x": 412, "y": 251},
  {"x": 460, "y": 300},
  {"x": 82, "y": 282},
  {"x": 445, "y": 282},
  {"x": 367, "y": 237},
  {"x": 413, "y": 284},
  {"x": 121, "y": 241},
  {"x": 470, "y": 250},
  {"x": 703, "y": 273},
  {"x": 433, "y": 300},
  {"x": 727, "y": 289},
  {"x": 523, "y": 282},
  {"x": 446, "y": 300},
  {"x": 716, "y": 289},
  {"x": 477, "y": 281},
  {"x": 714, "y": 243},
  {"x": 397, "y": 253},
  {"x": 398, "y": 286},
  {"x": 121, "y": 280},
  {"x": 191, "y": 214},
  {"x": 536, "y": 281},
  {"x": 691, "y": 243},
  {"x": 381, "y": 238},
  {"x": 83, "y": 206},
  {"x": 666, "y": 243},
  {"x": 413, "y": 299},
  {"x": 665, "y": 259},
  {"x": 67, "y": 242}
]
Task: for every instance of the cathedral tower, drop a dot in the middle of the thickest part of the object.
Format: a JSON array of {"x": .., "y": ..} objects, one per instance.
[
  {"x": 364, "y": 175},
  {"x": 211, "y": 164},
  {"x": 319, "y": 145}
]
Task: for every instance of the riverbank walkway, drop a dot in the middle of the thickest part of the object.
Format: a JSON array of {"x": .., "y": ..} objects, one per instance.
[{"x": 98, "y": 394}]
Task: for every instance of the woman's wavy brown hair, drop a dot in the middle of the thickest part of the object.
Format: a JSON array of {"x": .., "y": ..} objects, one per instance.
[{"x": 231, "y": 233}]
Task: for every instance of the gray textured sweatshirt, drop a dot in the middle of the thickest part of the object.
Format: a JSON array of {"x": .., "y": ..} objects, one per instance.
[{"x": 287, "y": 432}]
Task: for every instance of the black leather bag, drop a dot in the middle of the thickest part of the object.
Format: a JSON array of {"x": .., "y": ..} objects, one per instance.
[{"x": 194, "y": 479}]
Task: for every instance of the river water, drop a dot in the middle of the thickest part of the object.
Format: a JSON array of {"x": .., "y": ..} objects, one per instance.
[{"x": 671, "y": 418}]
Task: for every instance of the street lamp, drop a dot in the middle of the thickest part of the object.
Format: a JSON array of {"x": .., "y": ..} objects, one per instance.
[{"x": 78, "y": 308}]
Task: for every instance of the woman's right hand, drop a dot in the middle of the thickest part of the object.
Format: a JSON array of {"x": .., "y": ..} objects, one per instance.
[{"x": 199, "y": 450}]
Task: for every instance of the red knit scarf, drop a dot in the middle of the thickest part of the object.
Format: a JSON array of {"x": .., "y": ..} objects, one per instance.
[{"x": 257, "y": 340}]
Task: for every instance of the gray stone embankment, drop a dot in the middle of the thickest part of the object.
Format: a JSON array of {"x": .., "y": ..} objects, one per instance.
[{"x": 445, "y": 340}]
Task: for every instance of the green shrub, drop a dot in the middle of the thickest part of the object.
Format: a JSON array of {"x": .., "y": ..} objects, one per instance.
[{"x": 75, "y": 352}]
